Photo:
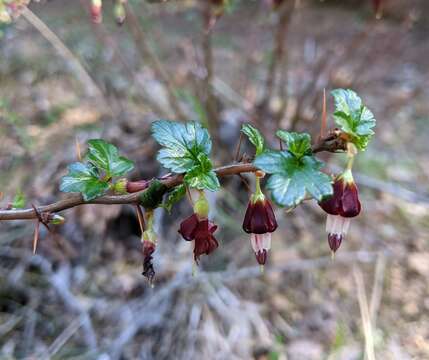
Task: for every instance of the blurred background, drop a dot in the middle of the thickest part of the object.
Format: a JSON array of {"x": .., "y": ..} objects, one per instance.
[{"x": 65, "y": 79}]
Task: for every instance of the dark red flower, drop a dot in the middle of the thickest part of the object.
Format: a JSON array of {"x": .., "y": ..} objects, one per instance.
[
  {"x": 259, "y": 218},
  {"x": 200, "y": 230},
  {"x": 188, "y": 227},
  {"x": 148, "y": 269},
  {"x": 205, "y": 242},
  {"x": 341, "y": 206},
  {"x": 344, "y": 201},
  {"x": 350, "y": 204},
  {"x": 377, "y": 7}
]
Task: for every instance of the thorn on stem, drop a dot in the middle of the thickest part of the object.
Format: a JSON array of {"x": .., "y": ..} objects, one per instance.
[
  {"x": 36, "y": 236},
  {"x": 78, "y": 151},
  {"x": 324, "y": 117}
]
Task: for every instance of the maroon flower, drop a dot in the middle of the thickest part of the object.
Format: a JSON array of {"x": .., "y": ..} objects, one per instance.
[
  {"x": 259, "y": 218},
  {"x": 377, "y": 4},
  {"x": 188, "y": 227},
  {"x": 201, "y": 230},
  {"x": 341, "y": 206},
  {"x": 259, "y": 221},
  {"x": 96, "y": 11},
  {"x": 148, "y": 269}
]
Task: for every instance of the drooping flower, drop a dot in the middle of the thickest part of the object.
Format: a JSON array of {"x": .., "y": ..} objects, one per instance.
[
  {"x": 149, "y": 240},
  {"x": 200, "y": 229},
  {"x": 96, "y": 11},
  {"x": 259, "y": 221},
  {"x": 341, "y": 206}
]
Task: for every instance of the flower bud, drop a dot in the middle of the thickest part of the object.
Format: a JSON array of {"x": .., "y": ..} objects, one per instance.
[
  {"x": 56, "y": 219},
  {"x": 148, "y": 269},
  {"x": 119, "y": 13},
  {"x": 96, "y": 11},
  {"x": 201, "y": 206},
  {"x": 120, "y": 186},
  {"x": 136, "y": 186}
]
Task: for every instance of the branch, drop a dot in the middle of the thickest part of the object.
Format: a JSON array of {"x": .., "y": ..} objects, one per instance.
[{"x": 332, "y": 143}]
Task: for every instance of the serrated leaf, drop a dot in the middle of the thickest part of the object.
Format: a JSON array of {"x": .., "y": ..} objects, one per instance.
[
  {"x": 298, "y": 144},
  {"x": 182, "y": 144},
  {"x": 84, "y": 178},
  {"x": 203, "y": 181},
  {"x": 19, "y": 200},
  {"x": 293, "y": 178},
  {"x": 201, "y": 176},
  {"x": 255, "y": 137},
  {"x": 105, "y": 157},
  {"x": 353, "y": 118},
  {"x": 174, "y": 196}
]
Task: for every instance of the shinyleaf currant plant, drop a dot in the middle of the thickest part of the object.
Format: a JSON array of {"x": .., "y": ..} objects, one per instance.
[{"x": 294, "y": 174}]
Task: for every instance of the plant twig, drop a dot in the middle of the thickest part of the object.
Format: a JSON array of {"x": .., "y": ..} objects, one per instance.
[{"x": 330, "y": 144}]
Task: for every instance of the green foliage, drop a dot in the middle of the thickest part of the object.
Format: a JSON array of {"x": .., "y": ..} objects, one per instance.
[
  {"x": 19, "y": 200},
  {"x": 186, "y": 149},
  {"x": 84, "y": 178},
  {"x": 92, "y": 178},
  {"x": 201, "y": 176},
  {"x": 152, "y": 197},
  {"x": 254, "y": 137},
  {"x": 353, "y": 117},
  {"x": 293, "y": 177},
  {"x": 299, "y": 144},
  {"x": 106, "y": 158},
  {"x": 174, "y": 196}
]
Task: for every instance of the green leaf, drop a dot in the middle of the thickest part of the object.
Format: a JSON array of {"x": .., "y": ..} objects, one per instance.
[
  {"x": 19, "y": 200},
  {"x": 84, "y": 178},
  {"x": 293, "y": 178},
  {"x": 174, "y": 196},
  {"x": 105, "y": 157},
  {"x": 298, "y": 144},
  {"x": 353, "y": 117},
  {"x": 254, "y": 137},
  {"x": 201, "y": 176},
  {"x": 182, "y": 143},
  {"x": 151, "y": 198}
]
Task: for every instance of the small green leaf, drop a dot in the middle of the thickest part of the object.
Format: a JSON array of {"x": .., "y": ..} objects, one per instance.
[
  {"x": 298, "y": 144},
  {"x": 293, "y": 178},
  {"x": 151, "y": 198},
  {"x": 182, "y": 143},
  {"x": 105, "y": 157},
  {"x": 84, "y": 178},
  {"x": 19, "y": 200},
  {"x": 353, "y": 117},
  {"x": 254, "y": 137},
  {"x": 174, "y": 196},
  {"x": 201, "y": 176}
]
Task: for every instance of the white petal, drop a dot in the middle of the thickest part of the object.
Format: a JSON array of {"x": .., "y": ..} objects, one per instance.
[
  {"x": 266, "y": 241},
  {"x": 337, "y": 225},
  {"x": 256, "y": 242},
  {"x": 329, "y": 223},
  {"x": 346, "y": 225}
]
